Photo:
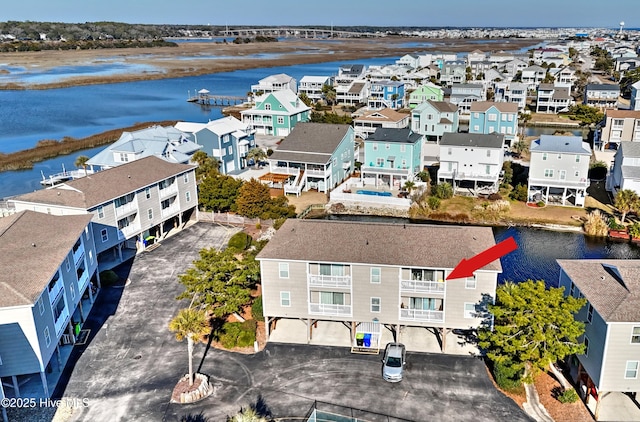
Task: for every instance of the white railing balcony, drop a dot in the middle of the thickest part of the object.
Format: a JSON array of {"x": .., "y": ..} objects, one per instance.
[
  {"x": 419, "y": 286},
  {"x": 127, "y": 208},
  {"x": 129, "y": 231},
  {"x": 328, "y": 309},
  {"x": 285, "y": 170},
  {"x": 56, "y": 291},
  {"x": 169, "y": 190},
  {"x": 173, "y": 209},
  {"x": 62, "y": 321},
  {"x": 83, "y": 280},
  {"x": 78, "y": 254},
  {"x": 317, "y": 173},
  {"x": 342, "y": 281},
  {"x": 421, "y": 315}
]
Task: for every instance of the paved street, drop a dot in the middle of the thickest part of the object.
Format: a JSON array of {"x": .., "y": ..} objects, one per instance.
[{"x": 131, "y": 365}]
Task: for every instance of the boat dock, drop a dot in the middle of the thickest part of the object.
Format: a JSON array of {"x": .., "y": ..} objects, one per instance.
[
  {"x": 64, "y": 176},
  {"x": 204, "y": 97}
]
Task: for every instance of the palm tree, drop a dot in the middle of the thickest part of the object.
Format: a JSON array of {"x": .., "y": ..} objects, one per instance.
[
  {"x": 524, "y": 118},
  {"x": 81, "y": 161},
  {"x": 247, "y": 415},
  {"x": 256, "y": 154},
  {"x": 409, "y": 186},
  {"x": 191, "y": 324},
  {"x": 626, "y": 201}
]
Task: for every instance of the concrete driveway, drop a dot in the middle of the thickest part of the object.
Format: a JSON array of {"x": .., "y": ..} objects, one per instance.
[{"x": 132, "y": 362}]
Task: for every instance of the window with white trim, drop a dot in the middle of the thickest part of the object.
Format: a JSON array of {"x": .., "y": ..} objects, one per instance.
[
  {"x": 285, "y": 299},
  {"x": 586, "y": 345},
  {"x": 631, "y": 369},
  {"x": 147, "y": 193},
  {"x": 280, "y": 120},
  {"x": 375, "y": 304},
  {"x": 374, "y": 147},
  {"x": 590, "y": 313},
  {"x": 47, "y": 336},
  {"x": 104, "y": 235},
  {"x": 186, "y": 178},
  {"x": 283, "y": 269},
  {"x": 67, "y": 263},
  {"x": 376, "y": 275},
  {"x": 470, "y": 283},
  {"x": 267, "y": 106},
  {"x": 187, "y": 195},
  {"x": 635, "y": 335},
  {"x": 548, "y": 173},
  {"x": 544, "y": 156},
  {"x": 469, "y": 310},
  {"x": 100, "y": 212},
  {"x": 150, "y": 213},
  {"x": 41, "y": 306}
]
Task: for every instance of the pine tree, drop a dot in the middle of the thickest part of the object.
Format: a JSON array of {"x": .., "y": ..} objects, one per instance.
[{"x": 253, "y": 199}]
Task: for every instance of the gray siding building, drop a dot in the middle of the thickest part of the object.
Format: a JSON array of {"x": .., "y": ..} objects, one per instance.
[
  {"x": 611, "y": 362},
  {"x": 49, "y": 268},
  {"x": 133, "y": 204},
  {"x": 372, "y": 275}
]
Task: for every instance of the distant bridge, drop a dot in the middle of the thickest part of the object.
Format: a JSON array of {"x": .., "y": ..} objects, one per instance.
[{"x": 297, "y": 32}]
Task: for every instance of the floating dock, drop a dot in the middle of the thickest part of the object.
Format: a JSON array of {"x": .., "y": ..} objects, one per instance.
[{"x": 206, "y": 98}]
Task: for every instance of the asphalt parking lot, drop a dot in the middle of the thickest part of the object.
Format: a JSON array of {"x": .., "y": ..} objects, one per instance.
[{"x": 132, "y": 362}]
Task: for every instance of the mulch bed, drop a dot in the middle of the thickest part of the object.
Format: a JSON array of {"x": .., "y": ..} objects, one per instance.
[{"x": 183, "y": 387}]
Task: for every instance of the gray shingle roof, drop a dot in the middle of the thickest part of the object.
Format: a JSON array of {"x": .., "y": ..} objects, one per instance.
[
  {"x": 98, "y": 188},
  {"x": 611, "y": 286},
  {"x": 561, "y": 144},
  {"x": 378, "y": 243},
  {"x": 482, "y": 106},
  {"x": 25, "y": 269},
  {"x": 630, "y": 149},
  {"x": 602, "y": 87},
  {"x": 473, "y": 140},
  {"x": 404, "y": 135}
]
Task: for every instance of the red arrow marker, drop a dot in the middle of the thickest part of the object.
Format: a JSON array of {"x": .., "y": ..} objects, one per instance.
[{"x": 466, "y": 267}]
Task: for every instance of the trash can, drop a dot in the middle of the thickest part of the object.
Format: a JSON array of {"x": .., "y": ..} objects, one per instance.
[
  {"x": 367, "y": 340},
  {"x": 359, "y": 339}
]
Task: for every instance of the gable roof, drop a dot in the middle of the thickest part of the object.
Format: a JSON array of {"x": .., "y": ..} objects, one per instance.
[
  {"x": 612, "y": 287},
  {"x": 492, "y": 140},
  {"x": 623, "y": 114},
  {"x": 561, "y": 144},
  {"x": 403, "y": 135},
  {"x": 602, "y": 87},
  {"x": 378, "y": 243},
  {"x": 33, "y": 245},
  {"x": 503, "y": 107},
  {"x": 311, "y": 143},
  {"x": 98, "y": 188},
  {"x": 440, "y": 106},
  {"x": 385, "y": 114},
  {"x": 288, "y": 99},
  {"x": 630, "y": 149}
]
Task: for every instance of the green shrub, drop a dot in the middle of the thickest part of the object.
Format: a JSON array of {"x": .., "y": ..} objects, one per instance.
[
  {"x": 237, "y": 334},
  {"x": 108, "y": 278},
  {"x": 540, "y": 204},
  {"x": 433, "y": 202},
  {"x": 423, "y": 176},
  {"x": 249, "y": 325},
  {"x": 256, "y": 309},
  {"x": 246, "y": 339},
  {"x": 568, "y": 396},
  {"x": 277, "y": 223},
  {"x": 506, "y": 377},
  {"x": 443, "y": 190},
  {"x": 240, "y": 241},
  {"x": 614, "y": 225},
  {"x": 634, "y": 229},
  {"x": 519, "y": 193}
]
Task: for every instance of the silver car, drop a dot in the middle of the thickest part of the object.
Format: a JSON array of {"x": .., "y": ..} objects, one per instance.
[{"x": 393, "y": 362}]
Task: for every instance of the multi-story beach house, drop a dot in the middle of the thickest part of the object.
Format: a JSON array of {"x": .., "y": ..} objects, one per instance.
[
  {"x": 133, "y": 204},
  {"x": 607, "y": 372},
  {"x": 471, "y": 162},
  {"x": 558, "y": 172},
  {"x": 276, "y": 113},
  {"x": 312, "y": 86},
  {"x": 618, "y": 126},
  {"x": 491, "y": 117},
  {"x": 511, "y": 92},
  {"x": 227, "y": 139},
  {"x": 552, "y": 98},
  {"x": 634, "y": 103},
  {"x": 425, "y": 92},
  {"x": 274, "y": 83},
  {"x": 367, "y": 124},
  {"x": 463, "y": 95},
  {"x": 168, "y": 143},
  {"x": 313, "y": 156},
  {"x": 533, "y": 76},
  {"x": 601, "y": 95},
  {"x": 49, "y": 264},
  {"x": 453, "y": 72},
  {"x": 434, "y": 118},
  {"x": 386, "y": 94},
  {"x": 366, "y": 276},
  {"x": 625, "y": 172},
  {"x": 391, "y": 157}
]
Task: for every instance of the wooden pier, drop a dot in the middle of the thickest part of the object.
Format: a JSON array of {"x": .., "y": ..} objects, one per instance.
[{"x": 206, "y": 98}]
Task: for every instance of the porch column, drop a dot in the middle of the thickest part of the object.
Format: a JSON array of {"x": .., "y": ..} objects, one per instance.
[
  {"x": 564, "y": 196},
  {"x": 70, "y": 331},
  {"x": 98, "y": 279},
  {"x": 119, "y": 248},
  {"x": 45, "y": 387},
  {"x": 5, "y": 418},
  {"x": 81, "y": 312},
  {"x": 352, "y": 332},
  {"x": 89, "y": 288},
  {"x": 59, "y": 358},
  {"x": 16, "y": 387},
  {"x": 397, "y": 333},
  {"x": 267, "y": 321},
  {"x": 601, "y": 395},
  {"x": 444, "y": 340},
  {"x": 308, "y": 330}
]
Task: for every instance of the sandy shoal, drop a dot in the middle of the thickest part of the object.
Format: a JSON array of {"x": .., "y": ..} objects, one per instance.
[{"x": 208, "y": 57}]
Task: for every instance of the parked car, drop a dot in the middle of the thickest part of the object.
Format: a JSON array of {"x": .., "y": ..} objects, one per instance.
[{"x": 393, "y": 362}]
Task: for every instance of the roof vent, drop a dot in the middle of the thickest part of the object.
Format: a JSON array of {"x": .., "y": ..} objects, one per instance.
[
  {"x": 129, "y": 176},
  {"x": 602, "y": 277},
  {"x": 566, "y": 143},
  {"x": 33, "y": 244}
]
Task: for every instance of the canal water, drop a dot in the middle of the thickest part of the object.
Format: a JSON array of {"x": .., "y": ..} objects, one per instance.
[{"x": 538, "y": 249}]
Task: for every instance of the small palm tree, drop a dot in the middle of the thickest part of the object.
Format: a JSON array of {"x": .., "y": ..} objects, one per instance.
[
  {"x": 626, "y": 201},
  {"x": 81, "y": 161},
  {"x": 247, "y": 415},
  {"x": 190, "y": 324},
  {"x": 256, "y": 154},
  {"x": 409, "y": 186}
]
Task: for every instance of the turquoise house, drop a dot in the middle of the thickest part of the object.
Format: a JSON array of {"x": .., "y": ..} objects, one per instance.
[
  {"x": 276, "y": 113},
  {"x": 391, "y": 157}
]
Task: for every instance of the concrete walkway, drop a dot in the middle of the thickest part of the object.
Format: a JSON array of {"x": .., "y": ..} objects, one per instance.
[{"x": 533, "y": 407}]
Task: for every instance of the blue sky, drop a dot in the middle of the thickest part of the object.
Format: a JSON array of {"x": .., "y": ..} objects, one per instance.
[{"x": 502, "y": 13}]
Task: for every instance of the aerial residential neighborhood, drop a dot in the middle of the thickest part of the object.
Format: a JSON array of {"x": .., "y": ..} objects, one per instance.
[{"x": 346, "y": 236}]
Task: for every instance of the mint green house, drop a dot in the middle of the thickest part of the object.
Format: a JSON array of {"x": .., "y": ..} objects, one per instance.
[
  {"x": 391, "y": 157},
  {"x": 276, "y": 113},
  {"x": 424, "y": 93}
]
